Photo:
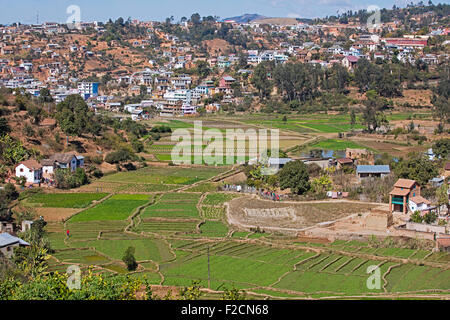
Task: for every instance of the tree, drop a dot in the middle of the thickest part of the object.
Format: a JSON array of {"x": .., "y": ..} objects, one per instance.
[
  {"x": 4, "y": 127},
  {"x": 416, "y": 217},
  {"x": 352, "y": 118},
  {"x": 364, "y": 74},
  {"x": 261, "y": 81},
  {"x": 73, "y": 115},
  {"x": 418, "y": 168},
  {"x": 442, "y": 196},
  {"x": 430, "y": 217},
  {"x": 233, "y": 294},
  {"x": 65, "y": 179},
  {"x": 35, "y": 113},
  {"x": 142, "y": 90},
  {"x": 441, "y": 148},
  {"x": 441, "y": 103},
  {"x": 202, "y": 69},
  {"x": 11, "y": 151},
  {"x": 372, "y": 116},
  {"x": 294, "y": 175},
  {"x": 192, "y": 292},
  {"x": 441, "y": 108},
  {"x": 321, "y": 184},
  {"x": 129, "y": 259},
  {"x": 195, "y": 18},
  {"x": 45, "y": 95}
]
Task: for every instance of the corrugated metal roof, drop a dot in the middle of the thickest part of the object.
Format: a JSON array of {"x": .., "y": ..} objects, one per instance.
[
  {"x": 373, "y": 169},
  {"x": 6, "y": 240}
]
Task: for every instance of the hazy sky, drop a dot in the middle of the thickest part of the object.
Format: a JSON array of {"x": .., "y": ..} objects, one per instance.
[{"x": 25, "y": 11}]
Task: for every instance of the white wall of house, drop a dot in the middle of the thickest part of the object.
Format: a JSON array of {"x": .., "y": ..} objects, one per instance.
[
  {"x": 32, "y": 176},
  {"x": 417, "y": 206}
]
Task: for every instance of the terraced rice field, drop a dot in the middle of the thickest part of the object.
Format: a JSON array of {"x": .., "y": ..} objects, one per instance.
[
  {"x": 172, "y": 239},
  {"x": 174, "y": 205},
  {"x": 118, "y": 207},
  {"x": 64, "y": 200},
  {"x": 164, "y": 175}
]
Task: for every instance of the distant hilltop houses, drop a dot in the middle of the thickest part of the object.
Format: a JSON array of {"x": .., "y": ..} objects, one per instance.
[{"x": 35, "y": 56}]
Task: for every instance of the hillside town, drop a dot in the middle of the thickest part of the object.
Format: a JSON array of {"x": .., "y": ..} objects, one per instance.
[
  {"x": 311, "y": 150},
  {"x": 178, "y": 77}
]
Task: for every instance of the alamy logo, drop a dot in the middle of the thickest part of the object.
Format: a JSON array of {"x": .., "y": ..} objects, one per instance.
[
  {"x": 374, "y": 280},
  {"x": 75, "y": 16},
  {"x": 374, "y": 20},
  {"x": 74, "y": 279},
  {"x": 237, "y": 146}
]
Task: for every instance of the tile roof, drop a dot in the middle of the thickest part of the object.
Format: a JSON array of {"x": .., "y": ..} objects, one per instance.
[
  {"x": 404, "y": 183},
  {"x": 419, "y": 199},
  {"x": 447, "y": 166},
  {"x": 31, "y": 164},
  {"x": 352, "y": 58},
  {"x": 345, "y": 160},
  {"x": 399, "y": 192},
  {"x": 62, "y": 157}
]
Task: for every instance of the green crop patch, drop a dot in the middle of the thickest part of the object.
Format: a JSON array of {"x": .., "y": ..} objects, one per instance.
[
  {"x": 167, "y": 227},
  {"x": 216, "y": 199},
  {"x": 213, "y": 229},
  {"x": 65, "y": 200},
  {"x": 145, "y": 249},
  {"x": 174, "y": 205},
  {"x": 335, "y": 144},
  {"x": 118, "y": 207},
  {"x": 165, "y": 175},
  {"x": 225, "y": 268}
]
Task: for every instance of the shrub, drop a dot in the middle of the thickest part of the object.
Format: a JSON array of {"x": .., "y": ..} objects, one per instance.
[
  {"x": 119, "y": 156},
  {"x": 65, "y": 179},
  {"x": 129, "y": 259}
]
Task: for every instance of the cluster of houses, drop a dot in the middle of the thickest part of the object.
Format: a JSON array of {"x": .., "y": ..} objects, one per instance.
[
  {"x": 8, "y": 239},
  {"x": 174, "y": 94},
  {"x": 36, "y": 172},
  {"x": 405, "y": 196}
]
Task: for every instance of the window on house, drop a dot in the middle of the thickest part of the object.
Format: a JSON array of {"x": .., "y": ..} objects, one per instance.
[{"x": 21, "y": 169}]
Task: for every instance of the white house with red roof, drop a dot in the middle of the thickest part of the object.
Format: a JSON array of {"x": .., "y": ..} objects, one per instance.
[{"x": 31, "y": 170}]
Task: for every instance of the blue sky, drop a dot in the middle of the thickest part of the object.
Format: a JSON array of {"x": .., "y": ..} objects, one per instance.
[{"x": 25, "y": 11}]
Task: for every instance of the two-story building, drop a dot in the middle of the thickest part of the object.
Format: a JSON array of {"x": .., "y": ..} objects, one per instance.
[{"x": 404, "y": 190}]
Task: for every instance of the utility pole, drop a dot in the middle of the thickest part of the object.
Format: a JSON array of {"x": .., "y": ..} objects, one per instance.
[{"x": 209, "y": 272}]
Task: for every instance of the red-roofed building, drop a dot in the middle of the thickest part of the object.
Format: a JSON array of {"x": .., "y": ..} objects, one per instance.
[
  {"x": 344, "y": 162},
  {"x": 31, "y": 170},
  {"x": 447, "y": 170},
  {"x": 403, "y": 42},
  {"x": 399, "y": 197},
  {"x": 350, "y": 61}
]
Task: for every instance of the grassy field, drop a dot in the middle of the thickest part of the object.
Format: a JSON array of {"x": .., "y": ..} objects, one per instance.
[
  {"x": 174, "y": 205},
  {"x": 65, "y": 200},
  {"x": 118, "y": 207},
  {"x": 174, "y": 231},
  {"x": 164, "y": 175},
  {"x": 335, "y": 144}
]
